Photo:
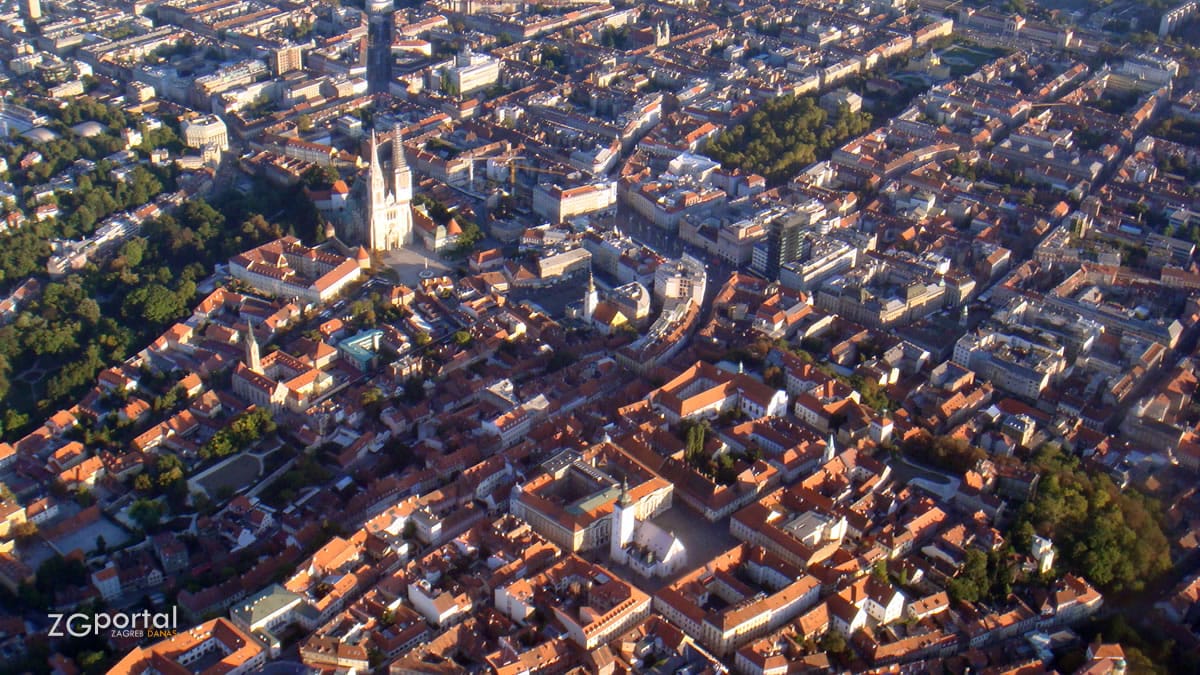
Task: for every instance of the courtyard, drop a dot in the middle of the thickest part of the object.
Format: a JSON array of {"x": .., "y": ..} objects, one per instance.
[
  {"x": 230, "y": 476},
  {"x": 411, "y": 263}
]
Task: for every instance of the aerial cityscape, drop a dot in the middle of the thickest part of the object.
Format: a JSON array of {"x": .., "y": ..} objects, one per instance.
[{"x": 752, "y": 337}]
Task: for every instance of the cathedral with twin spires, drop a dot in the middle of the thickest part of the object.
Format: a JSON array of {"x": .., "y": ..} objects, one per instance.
[{"x": 383, "y": 205}]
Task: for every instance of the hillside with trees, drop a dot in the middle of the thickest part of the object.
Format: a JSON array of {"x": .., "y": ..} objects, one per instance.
[
  {"x": 53, "y": 349},
  {"x": 1112, "y": 537}
]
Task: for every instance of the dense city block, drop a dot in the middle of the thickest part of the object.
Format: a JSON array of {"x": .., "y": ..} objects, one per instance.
[{"x": 593, "y": 336}]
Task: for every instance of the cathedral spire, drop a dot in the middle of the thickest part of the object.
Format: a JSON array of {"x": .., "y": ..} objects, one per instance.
[
  {"x": 376, "y": 170},
  {"x": 253, "y": 356},
  {"x": 386, "y": 213},
  {"x": 401, "y": 175},
  {"x": 398, "y": 160}
]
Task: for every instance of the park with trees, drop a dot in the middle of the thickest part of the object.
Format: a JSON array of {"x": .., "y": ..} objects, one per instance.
[
  {"x": 92, "y": 320},
  {"x": 55, "y": 347},
  {"x": 1113, "y": 537},
  {"x": 785, "y": 135}
]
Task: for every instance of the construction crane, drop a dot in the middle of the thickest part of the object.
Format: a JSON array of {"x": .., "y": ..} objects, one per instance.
[{"x": 512, "y": 170}]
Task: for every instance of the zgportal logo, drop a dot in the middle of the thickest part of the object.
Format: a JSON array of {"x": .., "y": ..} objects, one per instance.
[{"x": 141, "y": 624}]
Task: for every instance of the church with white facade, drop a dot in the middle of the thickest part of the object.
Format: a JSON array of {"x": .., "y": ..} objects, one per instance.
[
  {"x": 643, "y": 546},
  {"x": 382, "y": 218}
]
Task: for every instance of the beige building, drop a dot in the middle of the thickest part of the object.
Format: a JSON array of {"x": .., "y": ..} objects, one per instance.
[
  {"x": 287, "y": 268},
  {"x": 680, "y": 279},
  {"x": 596, "y": 606},
  {"x": 567, "y": 262},
  {"x": 571, "y": 501},
  {"x": 220, "y": 641},
  {"x": 558, "y": 204},
  {"x": 471, "y": 72},
  {"x": 204, "y": 131},
  {"x": 286, "y": 59},
  {"x": 11, "y": 515},
  {"x": 778, "y": 593}
]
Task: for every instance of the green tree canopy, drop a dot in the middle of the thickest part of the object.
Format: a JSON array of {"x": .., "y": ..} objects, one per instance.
[
  {"x": 155, "y": 304},
  {"x": 784, "y": 135},
  {"x": 1111, "y": 536},
  {"x": 945, "y": 452},
  {"x": 147, "y": 513},
  {"x": 243, "y": 432}
]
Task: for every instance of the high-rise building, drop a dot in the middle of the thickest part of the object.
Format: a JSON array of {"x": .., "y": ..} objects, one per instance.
[
  {"x": 385, "y": 206},
  {"x": 286, "y": 59},
  {"x": 33, "y": 9},
  {"x": 785, "y": 238},
  {"x": 379, "y": 44}
]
